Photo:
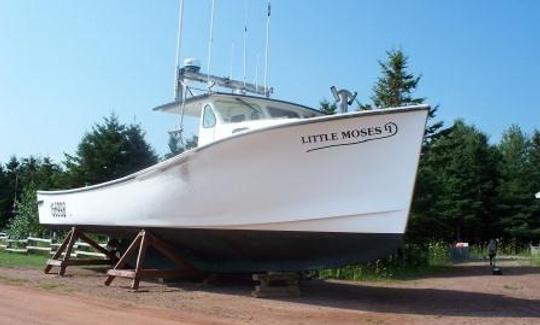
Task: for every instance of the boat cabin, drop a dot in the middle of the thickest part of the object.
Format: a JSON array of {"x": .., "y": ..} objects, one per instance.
[{"x": 224, "y": 114}]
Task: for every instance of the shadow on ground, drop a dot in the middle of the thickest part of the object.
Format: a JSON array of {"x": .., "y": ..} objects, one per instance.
[
  {"x": 422, "y": 301},
  {"x": 403, "y": 300},
  {"x": 394, "y": 299}
]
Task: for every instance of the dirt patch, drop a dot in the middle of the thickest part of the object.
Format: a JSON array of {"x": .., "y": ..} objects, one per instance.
[{"x": 466, "y": 293}]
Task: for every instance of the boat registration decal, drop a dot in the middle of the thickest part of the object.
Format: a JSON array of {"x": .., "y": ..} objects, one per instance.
[
  {"x": 349, "y": 137},
  {"x": 58, "y": 209}
]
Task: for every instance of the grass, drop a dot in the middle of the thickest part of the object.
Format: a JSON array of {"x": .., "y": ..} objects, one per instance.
[
  {"x": 503, "y": 248},
  {"x": 535, "y": 260},
  {"x": 12, "y": 260},
  {"x": 418, "y": 261},
  {"x": 414, "y": 262}
]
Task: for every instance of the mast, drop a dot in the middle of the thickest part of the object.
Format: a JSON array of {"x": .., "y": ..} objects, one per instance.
[
  {"x": 210, "y": 40},
  {"x": 231, "y": 62},
  {"x": 267, "y": 46},
  {"x": 177, "y": 89},
  {"x": 244, "y": 48},
  {"x": 257, "y": 71}
]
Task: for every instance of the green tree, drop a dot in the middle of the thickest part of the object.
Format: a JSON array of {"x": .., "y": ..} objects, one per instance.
[
  {"x": 26, "y": 221},
  {"x": 176, "y": 146},
  {"x": 42, "y": 172},
  {"x": 327, "y": 108},
  {"x": 396, "y": 86},
  {"x": 516, "y": 186},
  {"x": 457, "y": 186},
  {"x": 4, "y": 196},
  {"x": 534, "y": 159},
  {"x": 110, "y": 151},
  {"x": 140, "y": 153}
]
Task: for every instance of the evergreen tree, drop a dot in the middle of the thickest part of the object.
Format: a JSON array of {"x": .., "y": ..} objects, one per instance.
[
  {"x": 112, "y": 150},
  {"x": 457, "y": 186},
  {"x": 26, "y": 221},
  {"x": 534, "y": 160},
  {"x": 17, "y": 174},
  {"x": 4, "y": 196},
  {"x": 176, "y": 147},
  {"x": 516, "y": 187},
  {"x": 141, "y": 154},
  {"x": 327, "y": 108},
  {"x": 396, "y": 86}
]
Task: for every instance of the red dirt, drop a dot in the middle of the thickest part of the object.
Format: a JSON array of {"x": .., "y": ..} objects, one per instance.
[{"x": 467, "y": 293}]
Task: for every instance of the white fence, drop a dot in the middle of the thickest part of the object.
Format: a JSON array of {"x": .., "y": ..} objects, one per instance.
[{"x": 45, "y": 246}]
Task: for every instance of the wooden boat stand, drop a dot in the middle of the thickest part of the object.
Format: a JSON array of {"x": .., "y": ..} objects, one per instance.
[
  {"x": 67, "y": 246},
  {"x": 144, "y": 240},
  {"x": 276, "y": 284}
]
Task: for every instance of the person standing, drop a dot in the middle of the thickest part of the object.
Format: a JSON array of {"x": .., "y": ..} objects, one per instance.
[{"x": 492, "y": 250}]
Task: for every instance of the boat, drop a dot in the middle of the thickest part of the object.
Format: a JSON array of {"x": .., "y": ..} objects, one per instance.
[{"x": 271, "y": 186}]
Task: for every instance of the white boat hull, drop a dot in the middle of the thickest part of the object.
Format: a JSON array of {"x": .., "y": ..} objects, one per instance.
[{"x": 350, "y": 174}]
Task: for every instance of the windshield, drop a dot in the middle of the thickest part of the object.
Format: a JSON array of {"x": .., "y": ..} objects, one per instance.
[{"x": 238, "y": 111}]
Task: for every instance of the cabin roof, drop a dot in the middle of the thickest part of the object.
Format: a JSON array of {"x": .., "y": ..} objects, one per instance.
[{"x": 194, "y": 104}]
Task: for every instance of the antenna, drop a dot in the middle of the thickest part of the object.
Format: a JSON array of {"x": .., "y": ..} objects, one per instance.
[
  {"x": 257, "y": 71},
  {"x": 267, "y": 43},
  {"x": 231, "y": 61},
  {"x": 210, "y": 40},
  {"x": 244, "y": 49},
  {"x": 178, "y": 51}
]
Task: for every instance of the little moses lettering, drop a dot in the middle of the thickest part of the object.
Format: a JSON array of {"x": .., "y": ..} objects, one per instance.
[{"x": 372, "y": 132}]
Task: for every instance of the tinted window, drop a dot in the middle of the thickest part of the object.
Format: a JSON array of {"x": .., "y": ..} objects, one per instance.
[
  {"x": 209, "y": 119},
  {"x": 239, "y": 111},
  {"x": 278, "y": 112}
]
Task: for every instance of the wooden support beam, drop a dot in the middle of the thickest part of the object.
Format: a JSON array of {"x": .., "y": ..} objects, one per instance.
[
  {"x": 62, "y": 257},
  {"x": 71, "y": 242},
  {"x": 276, "y": 284},
  {"x": 143, "y": 241}
]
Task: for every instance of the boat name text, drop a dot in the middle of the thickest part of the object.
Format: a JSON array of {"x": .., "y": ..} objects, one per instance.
[
  {"x": 58, "y": 209},
  {"x": 352, "y": 136}
]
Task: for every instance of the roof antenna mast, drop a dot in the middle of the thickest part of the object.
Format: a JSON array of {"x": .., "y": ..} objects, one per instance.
[
  {"x": 244, "y": 49},
  {"x": 177, "y": 89},
  {"x": 266, "y": 49},
  {"x": 210, "y": 40},
  {"x": 231, "y": 61}
]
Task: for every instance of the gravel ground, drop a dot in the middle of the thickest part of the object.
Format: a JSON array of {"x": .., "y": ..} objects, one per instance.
[{"x": 466, "y": 293}]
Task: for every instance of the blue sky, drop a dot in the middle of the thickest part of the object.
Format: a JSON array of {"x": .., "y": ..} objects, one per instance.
[{"x": 66, "y": 64}]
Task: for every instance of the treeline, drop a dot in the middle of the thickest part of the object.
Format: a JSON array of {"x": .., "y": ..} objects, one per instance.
[
  {"x": 467, "y": 188},
  {"x": 109, "y": 151}
]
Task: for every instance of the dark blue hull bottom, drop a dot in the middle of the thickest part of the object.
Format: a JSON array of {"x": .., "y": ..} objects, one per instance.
[{"x": 247, "y": 251}]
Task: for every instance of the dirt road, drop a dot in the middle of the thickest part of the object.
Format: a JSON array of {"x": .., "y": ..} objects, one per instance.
[
  {"x": 465, "y": 294},
  {"x": 22, "y": 305}
]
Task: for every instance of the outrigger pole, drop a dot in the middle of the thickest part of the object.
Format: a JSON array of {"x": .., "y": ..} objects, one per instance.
[
  {"x": 267, "y": 45},
  {"x": 178, "y": 51},
  {"x": 210, "y": 41},
  {"x": 191, "y": 70}
]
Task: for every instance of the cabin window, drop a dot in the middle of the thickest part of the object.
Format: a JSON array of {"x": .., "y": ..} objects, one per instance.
[
  {"x": 238, "y": 111},
  {"x": 209, "y": 118},
  {"x": 281, "y": 113}
]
